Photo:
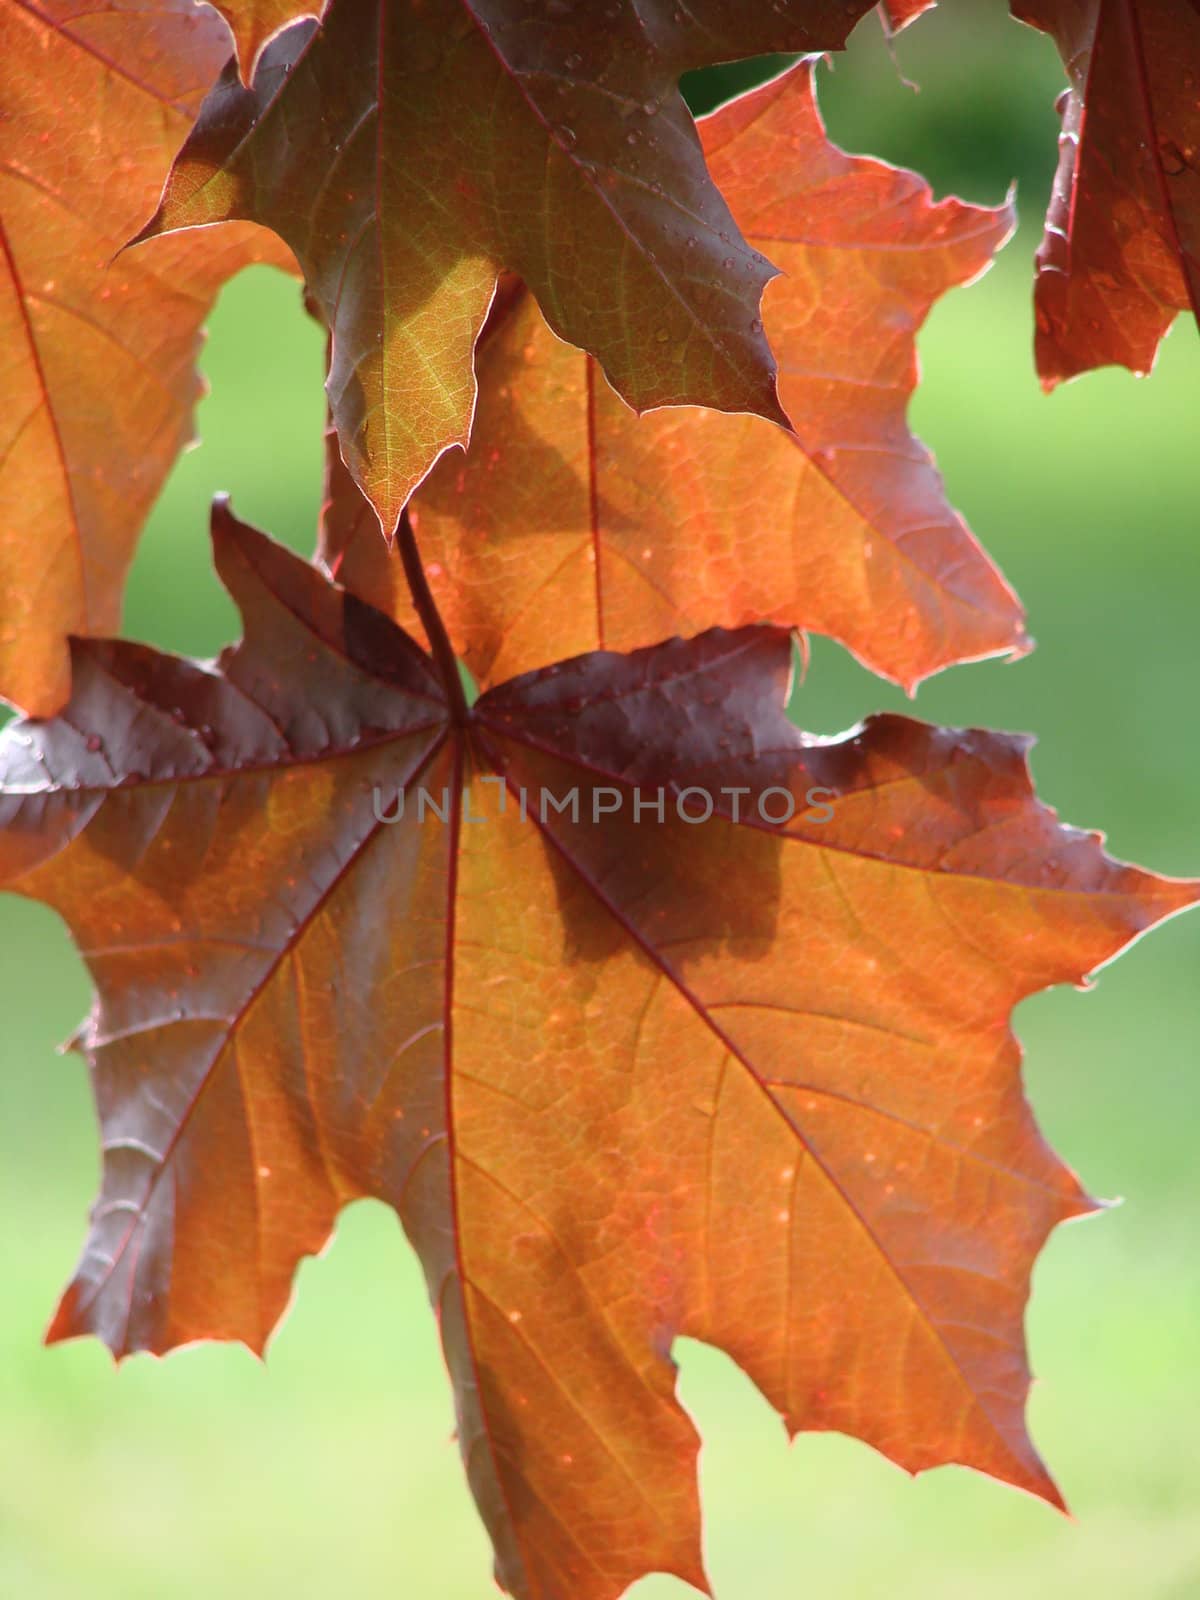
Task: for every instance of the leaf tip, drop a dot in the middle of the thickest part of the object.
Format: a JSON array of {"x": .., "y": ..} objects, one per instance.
[
  {"x": 75, "y": 1044},
  {"x": 152, "y": 228},
  {"x": 228, "y": 532},
  {"x": 65, "y": 1324},
  {"x": 1053, "y": 1496}
]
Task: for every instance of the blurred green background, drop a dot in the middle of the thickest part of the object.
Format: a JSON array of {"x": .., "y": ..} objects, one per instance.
[{"x": 332, "y": 1470}]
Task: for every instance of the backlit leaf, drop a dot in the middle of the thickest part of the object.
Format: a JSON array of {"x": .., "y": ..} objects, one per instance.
[
  {"x": 622, "y": 1080},
  {"x": 1121, "y": 253},
  {"x": 573, "y": 525},
  {"x": 409, "y": 149},
  {"x": 97, "y": 371}
]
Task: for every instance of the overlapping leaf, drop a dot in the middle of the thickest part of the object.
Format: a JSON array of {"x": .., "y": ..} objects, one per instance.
[
  {"x": 409, "y": 149},
  {"x": 1121, "y": 253},
  {"x": 573, "y": 525},
  {"x": 97, "y": 375},
  {"x": 622, "y": 1080}
]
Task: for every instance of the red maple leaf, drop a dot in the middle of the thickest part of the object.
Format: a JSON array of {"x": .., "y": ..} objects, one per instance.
[
  {"x": 408, "y": 150},
  {"x": 99, "y": 355},
  {"x": 624, "y": 1076},
  {"x": 1121, "y": 253},
  {"x": 571, "y": 524}
]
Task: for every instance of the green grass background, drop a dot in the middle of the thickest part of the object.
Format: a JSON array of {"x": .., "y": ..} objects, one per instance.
[{"x": 332, "y": 1469}]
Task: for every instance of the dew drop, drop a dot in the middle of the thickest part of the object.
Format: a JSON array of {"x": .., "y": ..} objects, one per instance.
[{"x": 662, "y": 335}]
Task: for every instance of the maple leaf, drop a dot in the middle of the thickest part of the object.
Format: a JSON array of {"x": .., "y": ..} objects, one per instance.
[
  {"x": 1121, "y": 252},
  {"x": 622, "y": 1081},
  {"x": 98, "y": 380},
  {"x": 571, "y": 524},
  {"x": 408, "y": 151},
  {"x": 254, "y": 22}
]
